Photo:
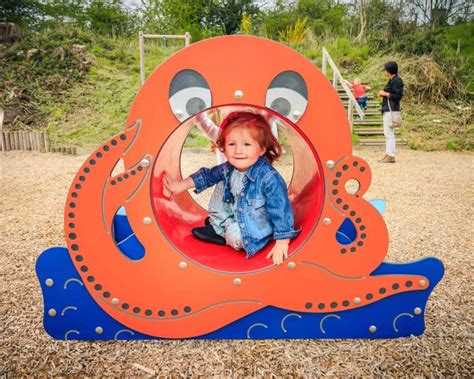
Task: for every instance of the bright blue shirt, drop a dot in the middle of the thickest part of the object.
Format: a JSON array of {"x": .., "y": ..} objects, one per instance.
[{"x": 263, "y": 209}]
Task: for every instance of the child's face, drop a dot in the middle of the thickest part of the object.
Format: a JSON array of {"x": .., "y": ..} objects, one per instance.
[
  {"x": 242, "y": 149},
  {"x": 357, "y": 81}
]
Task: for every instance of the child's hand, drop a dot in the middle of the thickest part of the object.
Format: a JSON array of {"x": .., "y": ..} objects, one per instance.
[
  {"x": 279, "y": 252},
  {"x": 174, "y": 186}
]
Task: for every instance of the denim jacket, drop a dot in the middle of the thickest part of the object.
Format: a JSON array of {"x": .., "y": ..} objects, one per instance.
[{"x": 263, "y": 209}]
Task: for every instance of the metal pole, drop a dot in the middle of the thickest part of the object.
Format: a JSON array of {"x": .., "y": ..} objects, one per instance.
[
  {"x": 187, "y": 39},
  {"x": 142, "y": 57}
]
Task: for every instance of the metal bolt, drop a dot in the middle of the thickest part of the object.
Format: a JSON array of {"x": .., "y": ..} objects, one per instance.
[
  {"x": 115, "y": 300},
  {"x": 422, "y": 283},
  {"x": 291, "y": 265},
  {"x": 297, "y": 114},
  {"x": 145, "y": 162},
  {"x": 183, "y": 265},
  {"x": 49, "y": 282},
  {"x": 147, "y": 220},
  {"x": 417, "y": 311},
  {"x": 372, "y": 328},
  {"x": 237, "y": 282},
  {"x": 52, "y": 312},
  {"x": 99, "y": 330},
  {"x": 178, "y": 113},
  {"x": 238, "y": 94},
  {"x": 357, "y": 300},
  {"x": 327, "y": 221},
  {"x": 330, "y": 164}
]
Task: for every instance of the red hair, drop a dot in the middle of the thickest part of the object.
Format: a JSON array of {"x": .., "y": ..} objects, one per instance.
[{"x": 260, "y": 129}]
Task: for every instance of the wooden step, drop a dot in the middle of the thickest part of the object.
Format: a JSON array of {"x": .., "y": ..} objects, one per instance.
[
  {"x": 345, "y": 97},
  {"x": 368, "y": 122},
  {"x": 379, "y": 142},
  {"x": 370, "y": 104},
  {"x": 368, "y": 113},
  {"x": 371, "y": 131}
]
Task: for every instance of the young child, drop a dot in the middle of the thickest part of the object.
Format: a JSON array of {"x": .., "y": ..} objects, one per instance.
[
  {"x": 253, "y": 207},
  {"x": 359, "y": 92}
]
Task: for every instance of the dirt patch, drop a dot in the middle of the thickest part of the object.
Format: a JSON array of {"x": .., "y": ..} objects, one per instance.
[{"x": 430, "y": 210}]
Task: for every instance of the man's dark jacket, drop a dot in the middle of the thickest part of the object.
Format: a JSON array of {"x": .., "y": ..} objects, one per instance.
[{"x": 395, "y": 88}]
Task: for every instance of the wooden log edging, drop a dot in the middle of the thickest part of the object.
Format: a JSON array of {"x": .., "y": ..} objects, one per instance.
[{"x": 31, "y": 140}]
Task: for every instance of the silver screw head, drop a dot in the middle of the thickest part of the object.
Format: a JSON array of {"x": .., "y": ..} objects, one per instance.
[
  {"x": 327, "y": 221},
  {"x": 417, "y": 311},
  {"x": 238, "y": 94},
  {"x": 52, "y": 312},
  {"x": 147, "y": 220},
  {"x": 291, "y": 265},
  {"x": 178, "y": 113},
  {"x": 237, "y": 282},
  {"x": 99, "y": 330},
  {"x": 49, "y": 282},
  {"x": 183, "y": 265},
  {"x": 297, "y": 115},
  {"x": 372, "y": 328},
  {"x": 330, "y": 164},
  {"x": 357, "y": 300},
  {"x": 115, "y": 300},
  {"x": 145, "y": 162},
  {"x": 422, "y": 283}
]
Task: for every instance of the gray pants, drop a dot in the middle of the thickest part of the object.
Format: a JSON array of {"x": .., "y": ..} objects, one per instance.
[
  {"x": 222, "y": 218},
  {"x": 389, "y": 133}
]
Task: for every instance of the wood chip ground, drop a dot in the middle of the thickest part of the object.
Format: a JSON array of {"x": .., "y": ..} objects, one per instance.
[{"x": 430, "y": 211}]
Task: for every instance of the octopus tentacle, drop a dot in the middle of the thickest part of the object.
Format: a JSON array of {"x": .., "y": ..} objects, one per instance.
[
  {"x": 368, "y": 249},
  {"x": 345, "y": 293}
]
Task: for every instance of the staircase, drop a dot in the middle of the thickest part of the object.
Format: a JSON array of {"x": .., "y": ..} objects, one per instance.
[
  {"x": 368, "y": 124},
  {"x": 370, "y": 128}
]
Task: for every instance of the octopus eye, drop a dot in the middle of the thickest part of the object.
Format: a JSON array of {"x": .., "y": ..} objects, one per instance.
[
  {"x": 288, "y": 95},
  {"x": 189, "y": 94}
]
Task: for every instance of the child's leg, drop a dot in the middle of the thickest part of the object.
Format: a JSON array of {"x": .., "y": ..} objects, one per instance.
[
  {"x": 233, "y": 237},
  {"x": 219, "y": 212},
  {"x": 364, "y": 103}
]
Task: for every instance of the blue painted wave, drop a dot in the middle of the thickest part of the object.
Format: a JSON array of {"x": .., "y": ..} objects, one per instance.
[{"x": 71, "y": 313}]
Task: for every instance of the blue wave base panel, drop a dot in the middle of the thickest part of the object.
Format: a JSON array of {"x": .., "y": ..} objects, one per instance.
[{"x": 70, "y": 312}]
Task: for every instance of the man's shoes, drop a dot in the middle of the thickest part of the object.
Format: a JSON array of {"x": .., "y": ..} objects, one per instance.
[
  {"x": 387, "y": 159},
  {"x": 208, "y": 234}
]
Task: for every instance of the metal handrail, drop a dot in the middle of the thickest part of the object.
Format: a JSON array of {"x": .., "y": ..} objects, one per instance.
[{"x": 338, "y": 77}]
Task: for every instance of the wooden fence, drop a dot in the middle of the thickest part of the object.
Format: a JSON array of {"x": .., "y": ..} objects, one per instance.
[{"x": 31, "y": 140}]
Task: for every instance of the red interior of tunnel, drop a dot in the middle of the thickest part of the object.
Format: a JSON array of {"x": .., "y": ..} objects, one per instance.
[{"x": 178, "y": 216}]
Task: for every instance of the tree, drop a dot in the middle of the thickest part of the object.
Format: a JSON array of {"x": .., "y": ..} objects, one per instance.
[
  {"x": 436, "y": 13},
  {"x": 363, "y": 20},
  {"x": 108, "y": 17},
  {"x": 21, "y": 12},
  {"x": 228, "y": 14}
]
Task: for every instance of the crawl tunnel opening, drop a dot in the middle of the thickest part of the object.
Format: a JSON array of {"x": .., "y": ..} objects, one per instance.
[{"x": 176, "y": 217}]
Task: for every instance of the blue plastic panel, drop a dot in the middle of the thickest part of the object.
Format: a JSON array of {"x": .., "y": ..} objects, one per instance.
[{"x": 71, "y": 313}]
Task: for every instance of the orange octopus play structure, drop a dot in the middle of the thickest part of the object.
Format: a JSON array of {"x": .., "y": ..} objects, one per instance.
[{"x": 183, "y": 287}]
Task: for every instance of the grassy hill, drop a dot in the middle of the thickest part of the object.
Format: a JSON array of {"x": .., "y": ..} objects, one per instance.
[{"x": 79, "y": 87}]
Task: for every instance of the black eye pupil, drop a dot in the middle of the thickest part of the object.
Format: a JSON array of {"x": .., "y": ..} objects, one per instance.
[
  {"x": 281, "y": 105},
  {"x": 195, "y": 105}
]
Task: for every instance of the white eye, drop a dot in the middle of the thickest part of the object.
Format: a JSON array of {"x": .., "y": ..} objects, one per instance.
[
  {"x": 288, "y": 95},
  {"x": 189, "y": 94}
]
